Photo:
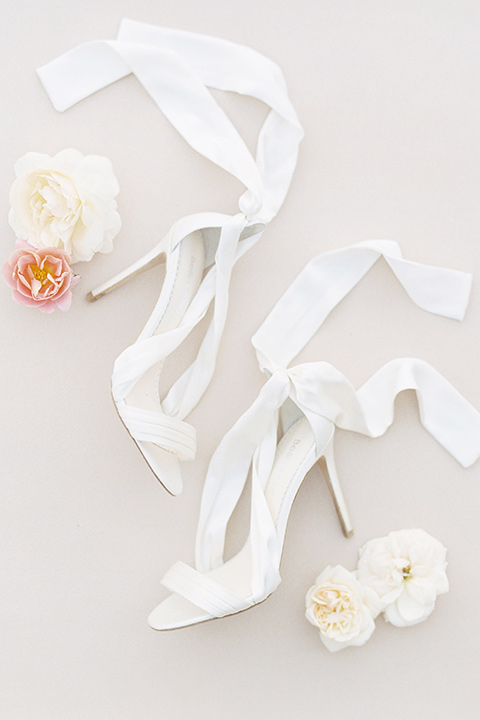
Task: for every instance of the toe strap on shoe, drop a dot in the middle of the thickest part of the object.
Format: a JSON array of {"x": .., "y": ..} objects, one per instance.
[
  {"x": 167, "y": 432},
  {"x": 202, "y": 591}
]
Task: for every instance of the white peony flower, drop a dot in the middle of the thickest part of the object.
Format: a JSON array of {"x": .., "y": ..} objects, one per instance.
[
  {"x": 407, "y": 571},
  {"x": 341, "y": 608},
  {"x": 66, "y": 202}
]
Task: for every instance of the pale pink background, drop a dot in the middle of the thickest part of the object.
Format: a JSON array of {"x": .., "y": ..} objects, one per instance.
[{"x": 389, "y": 96}]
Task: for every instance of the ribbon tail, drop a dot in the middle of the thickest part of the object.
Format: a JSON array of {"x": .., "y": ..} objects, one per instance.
[
  {"x": 444, "y": 412},
  {"x": 327, "y": 279}
]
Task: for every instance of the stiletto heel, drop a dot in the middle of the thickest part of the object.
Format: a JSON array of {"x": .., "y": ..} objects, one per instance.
[
  {"x": 329, "y": 471},
  {"x": 311, "y": 399},
  {"x": 155, "y": 257},
  {"x": 176, "y": 68}
]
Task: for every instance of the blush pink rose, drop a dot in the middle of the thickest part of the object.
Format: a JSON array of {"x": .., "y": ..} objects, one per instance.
[{"x": 41, "y": 277}]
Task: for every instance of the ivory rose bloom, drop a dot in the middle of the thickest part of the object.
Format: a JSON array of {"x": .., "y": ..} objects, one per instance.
[
  {"x": 341, "y": 608},
  {"x": 40, "y": 278},
  {"x": 407, "y": 570},
  {"x": 65, "y": 202}
]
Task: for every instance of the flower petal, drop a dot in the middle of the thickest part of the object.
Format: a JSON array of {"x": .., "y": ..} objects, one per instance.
[
  {"x": 64, "y": 301},
  {"x": 405, "y": 611},
  {"x": 32, "y": 161}
]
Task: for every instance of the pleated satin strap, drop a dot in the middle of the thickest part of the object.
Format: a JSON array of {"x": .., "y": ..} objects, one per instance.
[
  {"x": 168, "y": 432},
  {"x": 202, "y": 591}
]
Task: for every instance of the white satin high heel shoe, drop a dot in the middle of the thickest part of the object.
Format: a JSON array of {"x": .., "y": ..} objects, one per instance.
[
  {"x": 176, "y": 68},
  {"x": 311, "y": 399}
]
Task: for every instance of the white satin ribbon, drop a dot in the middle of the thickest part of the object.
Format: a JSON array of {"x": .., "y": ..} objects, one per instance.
[{"x": 175, "y": 68}]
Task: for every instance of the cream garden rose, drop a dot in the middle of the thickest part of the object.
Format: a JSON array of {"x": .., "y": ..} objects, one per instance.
[
  {"x": 407, "y": 570},
  {"x": 65, "y": 202},
  {"x": 341, "y": 608}
]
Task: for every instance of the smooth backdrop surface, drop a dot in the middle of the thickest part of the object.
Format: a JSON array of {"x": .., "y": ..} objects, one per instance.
[{"x": 389, "y": 95}]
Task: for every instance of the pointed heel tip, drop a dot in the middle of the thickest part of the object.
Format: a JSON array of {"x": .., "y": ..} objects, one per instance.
[
  {"x": 151, "y": 623},
  {"x": 348, "y": 533},
  {"x": 91, "y": 297}
]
